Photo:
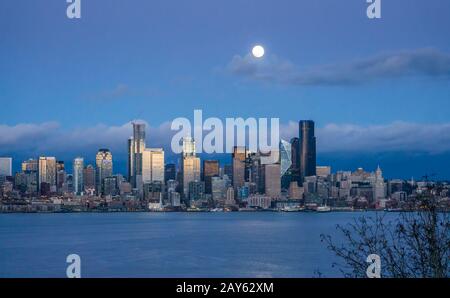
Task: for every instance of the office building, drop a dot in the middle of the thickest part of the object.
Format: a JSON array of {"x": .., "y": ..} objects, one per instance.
[
  {"x": 272, "y": 180},
  {"x": 47, "y": 171},
  {"x": 307, "y": 152},
  {"x": 190, "y": 165},
  {"x": 103, "y": 168},
  {"x": 170, "y": 172},
  {"x": 136, "y": 148},
  {"x": 5, "y": 166},
  {"x": 89, "y": 178},
  {"x": 78, "y": 182},
  {"x": 210, "y": 169},
  {"x": 153, "y": 165},
  {"x": 285, "y": 156},
  {"x": 323, "y": 171},
  {"x": 238, "y": 162}
]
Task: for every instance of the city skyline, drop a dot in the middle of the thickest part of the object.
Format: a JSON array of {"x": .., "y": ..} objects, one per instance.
[{"x": 293, "y": 181}]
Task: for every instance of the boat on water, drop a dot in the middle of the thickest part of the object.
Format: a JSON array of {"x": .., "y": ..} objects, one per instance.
[
  {"x": 323, "y": 209},
  {"x": 216, "y": 210},
  {"x": 292, "y": 209}
]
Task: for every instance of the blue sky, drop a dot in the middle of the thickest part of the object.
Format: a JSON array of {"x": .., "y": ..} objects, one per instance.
[{"x": 158, "y": 60}]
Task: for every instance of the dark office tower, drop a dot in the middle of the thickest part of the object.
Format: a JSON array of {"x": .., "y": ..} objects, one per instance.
[
  {"x": 60, "y": 174},
  {"x": 89, "y": 177},
  {"x": 170, "y": 172},
  {"x": 295, "y": 155},
  {"x": 60, "y": 166},
  {"x": 295, "y": 151},
  {"x": 307, "y": 150},
  {"x": 239, "y": 157},
  {"x": 136, "y": 147},
  {"x": 210, "y": 169},
  {"x": 228, "y": 170}
]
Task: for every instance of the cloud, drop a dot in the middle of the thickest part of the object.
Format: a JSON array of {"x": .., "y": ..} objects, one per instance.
[
  {"x": 419, "y": 62},
  {"x": 31, "y": 140},
  {"x": 394, "y": 137}
]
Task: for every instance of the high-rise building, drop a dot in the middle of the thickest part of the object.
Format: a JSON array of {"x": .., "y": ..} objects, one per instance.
[
  {"x": 239, "y": 157},
  {"x": 153, "y": 165},
  {"x": 307, "y": 152},
  {"x": 190, "y": 165},
  {"x": 379, "y": 187},
  {"x": 136, "y": 147},
  {"x": 188, "y": 146},
  {"x": 60, "y": 174},
  {"x": 110, "y": 187},
  {"x": 30, "y": 165},
  {"x": 272, "y": 180},
  {"x": 5, "y": 166},
  {"x": 89, "y": 177},
  {"x": 295, "y": 155},
  {"x": 196, "y": 190},
  {"x": 78, "y": 182},
  {"x": 210, "y": 169},
  {"x": 323, "y": 171},
  {"x": 47, "y": 171},
  {"x": 228, "y": 170},
  {"x": 285, "y": 156},
  {"x": 104, "y": 168},
  {"x": 219, "y": 187},
  {"x": 170, "y": 172}
]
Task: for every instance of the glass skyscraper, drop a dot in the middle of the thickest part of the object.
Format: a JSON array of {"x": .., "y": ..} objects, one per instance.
[
  {"x": 136, "y": 147},
  {"x": 47, "y": 171},
  {"x": 153, "y": 165},
  {"x": 307, "y": 152},
  {"x": 78, "y": 182},
  {"x": 104, "y": 168},
  {"x": 190, "y": 165},
  {"x": 285, "y": 156},
  {"x": 5, "y": 166}
]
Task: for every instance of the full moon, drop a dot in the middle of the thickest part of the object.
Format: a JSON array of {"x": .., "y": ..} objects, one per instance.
[{"x": 258, "y": 51}]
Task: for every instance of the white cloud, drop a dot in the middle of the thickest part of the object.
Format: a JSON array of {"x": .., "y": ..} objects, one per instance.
[
  {"x": 393, "y": 137},
  {"x": 30, "y": 140},
  {"x": 418, "y": 62}
]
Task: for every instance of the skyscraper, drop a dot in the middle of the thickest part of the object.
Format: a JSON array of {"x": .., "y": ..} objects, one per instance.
[
  {"x": 239, "y": 155},
  {"x": 210, "y": 169},
  {"x": 5, "y": 166},
  {"x": 60, "y": 174},
  {"x": 104, "y": 168},
  {"x": 47, "y": 171},
  {"x": 170, "y": 172},
  {"x": 295, "y": 155},
  {"x": 136, "y": 147},
  {"x": 285, "y": 156},
  {"x": 190, "y": 165},
  {"x": 307, "y": 152},
  {"x": 379, "y": 186},
  {"x": 89, "y": 177},
  {"x": 78, "y": 183},
  {"x": 153, "y": 165},
  {"x": 30, "y": 165},
  {"x": 272, "y": 180}
]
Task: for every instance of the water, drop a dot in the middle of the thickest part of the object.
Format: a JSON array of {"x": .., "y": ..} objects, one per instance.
[{"x": 258, "y": 244}]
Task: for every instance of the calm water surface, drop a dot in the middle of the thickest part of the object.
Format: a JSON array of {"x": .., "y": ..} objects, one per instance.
[{"x": 259, "y": 244}]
